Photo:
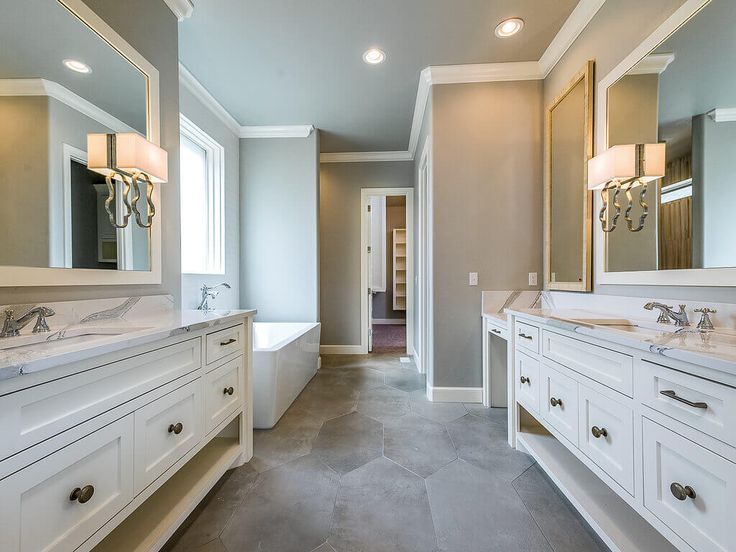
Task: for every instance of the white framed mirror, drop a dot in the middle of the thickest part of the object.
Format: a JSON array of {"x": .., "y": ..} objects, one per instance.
[
  {"x": 676, "y": 88},
  {"x": 64, "y": 74}
]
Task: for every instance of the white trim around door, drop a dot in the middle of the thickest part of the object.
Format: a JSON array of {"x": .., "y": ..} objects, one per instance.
[{"x": 408, "y": 193}]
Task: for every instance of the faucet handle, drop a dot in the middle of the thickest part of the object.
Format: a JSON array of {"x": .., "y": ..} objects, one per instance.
[
  {"x": 705, "y": 321},
  {"x": 41, "y": 324}
]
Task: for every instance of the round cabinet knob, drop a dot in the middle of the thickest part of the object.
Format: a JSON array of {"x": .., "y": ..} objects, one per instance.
[
  {"x": 228, "y": 391},
  {"x": 176, "y": 428},
  {"x": 83, "y": 494},
  {"x": 599, "y": 432},
  {"x": 555, "y": 402},
  {"x": 524, "y": 379},
  {"x": 681, "y": 492}
]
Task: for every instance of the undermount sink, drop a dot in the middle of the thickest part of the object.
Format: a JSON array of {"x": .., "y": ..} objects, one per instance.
[
  {"x": 626, "y": 325},
  {"x": 66, "y": 337}
]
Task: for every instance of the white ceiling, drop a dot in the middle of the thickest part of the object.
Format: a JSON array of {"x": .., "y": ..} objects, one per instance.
[{"x": 295, "y": 62}]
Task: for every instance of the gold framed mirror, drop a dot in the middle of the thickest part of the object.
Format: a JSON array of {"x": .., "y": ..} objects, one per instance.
[{"x": 568, "y": 203}]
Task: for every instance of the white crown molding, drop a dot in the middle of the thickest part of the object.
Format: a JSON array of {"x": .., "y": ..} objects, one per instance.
[
  {"x": 723, "y": 114},
  {"x": 652, "y": 64},
  {"x": 365, "y": 157},
  {"x": 43, "y": 87},
  {"x": 276, "y": 131},
  {"x": 579, "y": 18},
  {"x": 181, "y": 8},
  {"x": 191, "y": 83},
  {"x": 568, "y": 33}
]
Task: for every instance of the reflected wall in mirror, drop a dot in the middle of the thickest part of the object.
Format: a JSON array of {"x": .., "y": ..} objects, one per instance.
[
  {"x": 683, "y": 94},
  {"x": 569, "y": 145},
  {"x": 59, "y": 81}
]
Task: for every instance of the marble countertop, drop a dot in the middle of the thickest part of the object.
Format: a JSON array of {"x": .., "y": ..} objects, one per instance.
[
  {"x": 712, "y": 349},
  {"x": 85, "y": 329},
  {"x": 493, "y": 304}
]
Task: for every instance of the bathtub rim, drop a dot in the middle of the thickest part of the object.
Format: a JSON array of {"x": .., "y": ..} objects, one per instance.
[{"x": 308, "y": 326}]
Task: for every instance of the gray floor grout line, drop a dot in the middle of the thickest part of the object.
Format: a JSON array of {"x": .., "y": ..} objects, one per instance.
[{"x": 531, "y": 515}]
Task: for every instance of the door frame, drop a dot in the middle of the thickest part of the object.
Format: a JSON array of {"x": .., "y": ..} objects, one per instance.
[
  {"x": 408, "y": 193},
  {"x": 424, "y": 353}
]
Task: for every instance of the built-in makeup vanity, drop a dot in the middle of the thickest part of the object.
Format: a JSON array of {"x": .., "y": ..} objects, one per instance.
[{"x": 116, "y": 422}]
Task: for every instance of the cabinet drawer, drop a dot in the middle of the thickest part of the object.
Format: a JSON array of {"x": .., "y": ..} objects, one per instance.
[
  {"x": 223, "y": 392},
  {"x": 38, "y": 511},
  {"x": 702, "y": 515},
  {"x": 527, "y": 382},
  {"x": 705, "y": 405},
  {"x": 165, "y": 430},
  {"x": 559, "y": 404},
  {"x": 612, "y": 369},
  {"x": 33, "y": 415},
  {"x": 527, "y": 336},
  {"x": 225, "y": 342},
  {"x": 606, "y": 435}
]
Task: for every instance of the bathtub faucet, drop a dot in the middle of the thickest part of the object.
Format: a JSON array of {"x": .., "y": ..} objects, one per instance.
[{"x": 210, "y": 292}]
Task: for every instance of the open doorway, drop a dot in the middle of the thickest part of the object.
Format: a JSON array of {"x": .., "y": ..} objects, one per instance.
[{"x": 387, "y": 270}]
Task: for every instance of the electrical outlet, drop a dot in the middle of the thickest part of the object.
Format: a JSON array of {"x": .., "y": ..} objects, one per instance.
[
  {"x": 532, "y": 278},
  {"x": 472, "y": 278}
]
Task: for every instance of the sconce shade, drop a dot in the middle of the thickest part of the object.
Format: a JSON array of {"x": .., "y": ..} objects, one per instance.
[
  {"x": 642, "y": 162},
  {"x": 129, "y": 153}
]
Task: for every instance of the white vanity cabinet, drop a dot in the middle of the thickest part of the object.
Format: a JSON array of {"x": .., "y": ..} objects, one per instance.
[
  {"x": 643, "y": 445},
  {"x": 113, "y": 452}
]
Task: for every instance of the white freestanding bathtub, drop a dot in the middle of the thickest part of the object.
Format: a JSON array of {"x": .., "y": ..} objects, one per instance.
[{"x": 285, "y": 358}]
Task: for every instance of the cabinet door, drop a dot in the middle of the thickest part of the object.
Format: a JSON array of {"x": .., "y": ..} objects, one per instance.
[
  {"x": 60, "y": 501},
  {"x": 223, "y": 392},
  {"x": 691, "y": 489},
  {"x": 527, "y": 382},
  {"x": 559, "y": 402},
  {"x": 165, "y": 430},
  {"x": 607, "y": 435}
]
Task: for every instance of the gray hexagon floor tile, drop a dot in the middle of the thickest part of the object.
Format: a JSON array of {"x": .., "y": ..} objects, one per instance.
[
  {"x": 358, "y": 378},
  {"x": 555, "y": 516},
  {"x": 473, "y": 510},
  {"x": 288, "y": 510},
  {"x": 437, "y": 411},
  {"x": 326, "y": 400},
  {"x": 271, "y": 450},
  {"x": 494, "y": 415},
  {"x": 420, "y": 445},
  {"x": 298, "y": 423},
  {"x": 485, "y": 446},
  {"x": 383, "y": 403},
  {"x": 381, "y": 507},
  {"x": 406, "y": 379},
  {"x": 348, "y": 442}
]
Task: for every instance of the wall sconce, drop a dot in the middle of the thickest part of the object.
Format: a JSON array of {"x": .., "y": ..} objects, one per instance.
[
  {"x": 132, "y": 159},
  {"x": 622, "y": 168}
]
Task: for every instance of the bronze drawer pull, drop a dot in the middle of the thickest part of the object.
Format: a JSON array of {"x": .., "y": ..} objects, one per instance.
[
  {"x": 524, "y": 379},
  {"x": 228, "y": 342},
  {"x": 497, "y": 332},
  {"x": 672, "y": 395},
  {"x": 176, "y": 429},
  {"x": 82, "y": 495},
  {"x": 555, "y": 402},
  {"x": 524, "y": 336},
  {"x": 599, "y": 432},
  {"x": 681, "y": 492},
  {"x": 228, "y": 391}
]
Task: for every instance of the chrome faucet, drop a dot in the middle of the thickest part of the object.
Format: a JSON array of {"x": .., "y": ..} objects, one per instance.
[
  {"x": 12, "y": 326},
  {"x": 666, "y": 314},
  {"x": 210, "y": 292}
]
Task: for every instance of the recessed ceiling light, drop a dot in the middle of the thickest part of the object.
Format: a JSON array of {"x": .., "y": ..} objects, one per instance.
[
  {"x": 509, "y": 27},
  {"x": 77, "y": 66},
  {"x": 374, "y": 56}
]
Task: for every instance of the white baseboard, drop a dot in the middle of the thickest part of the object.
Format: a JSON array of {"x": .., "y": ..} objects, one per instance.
[
  {"x": 341, "y": 350},
  {"x": 455, "y": 394},
  {"x": 391, "y": 321}
]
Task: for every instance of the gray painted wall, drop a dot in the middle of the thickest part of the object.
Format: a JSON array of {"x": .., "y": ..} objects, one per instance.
[
  {"x": 610, "y": 36},
  {"x": 383, "y": 302},
  {"x": 487, "y": 208},
  {"x": 340, "y": 221},
  {"x": 201, "y": 116},
  {"x": 279, "y": 213},
  {"x": 153, "y": 32}
]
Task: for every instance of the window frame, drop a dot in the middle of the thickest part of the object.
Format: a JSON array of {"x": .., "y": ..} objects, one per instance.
[{"x": 215, "y": 191}]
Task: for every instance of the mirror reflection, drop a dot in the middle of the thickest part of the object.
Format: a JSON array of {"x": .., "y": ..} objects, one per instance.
[
  {"x": 60, "y": 81},
  {"x": 683, "y": 94}
]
